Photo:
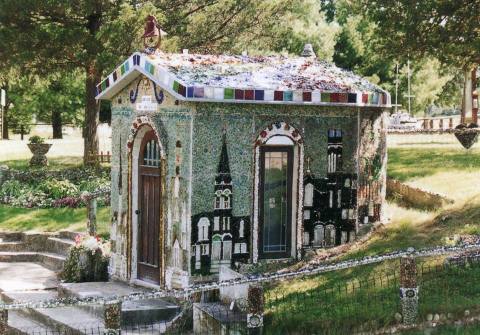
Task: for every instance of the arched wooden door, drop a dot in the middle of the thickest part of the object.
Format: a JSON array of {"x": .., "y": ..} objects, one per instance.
[{"x": 149, "y": 220}]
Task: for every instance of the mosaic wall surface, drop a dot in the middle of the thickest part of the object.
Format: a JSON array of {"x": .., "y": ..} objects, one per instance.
[
  {"x": 235, "y": 128},
  {"x": 173, "y": 126}
]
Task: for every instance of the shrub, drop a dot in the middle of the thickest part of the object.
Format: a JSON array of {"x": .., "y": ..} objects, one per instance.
[
  {"x": 87, "y": 261},
  {"x": 71, "y": 202},
  {"x": 58, "y": 189},
  {"x": 12, "y": 188},
  {"x": 36, "y": 140}
]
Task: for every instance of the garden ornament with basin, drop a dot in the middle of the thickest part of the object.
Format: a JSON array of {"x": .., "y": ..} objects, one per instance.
[{"x": 39, "y": 149}]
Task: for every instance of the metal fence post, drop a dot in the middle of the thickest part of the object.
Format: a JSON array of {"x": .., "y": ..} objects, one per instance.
[
  {"x": 255, "y": 309},
  {"x": 92, "y": 216},
  {"x": 408, "y": 289},
  {"x": 3, "y": 321},
  {"x": 113, "y": 318}
]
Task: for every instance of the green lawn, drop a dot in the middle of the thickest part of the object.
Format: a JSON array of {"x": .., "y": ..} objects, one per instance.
[
  {"x": 51, "y": 219},
  {"x": 54, "y": 163},
  {"x": 325, "y": 300},
  {"x": 407, "y": 163}
]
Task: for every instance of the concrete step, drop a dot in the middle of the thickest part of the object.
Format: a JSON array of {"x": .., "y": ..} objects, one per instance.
[
  {"x": 12, "y": 246},
  {"x": 67, "y": 320},
  {"x": 30, "y": 296},
  {"x": 19, "y": 324},
  {"x": 136, "y": 312},
  {"x": 59, "y": 245},
  {"x": 51, "y": 261}
]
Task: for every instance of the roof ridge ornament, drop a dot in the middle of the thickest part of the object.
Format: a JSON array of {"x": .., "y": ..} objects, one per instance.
[
  {"x": 152, "y": 35},
  {"x": 308, "y": 51}
]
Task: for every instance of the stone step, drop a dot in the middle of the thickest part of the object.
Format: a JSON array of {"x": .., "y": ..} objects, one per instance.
[
  {"x": 51, "y": 261},
  {"x": 59, "y": 245},
  {"x": 12, "y": 246},
  {"x": 69, "y": 235},
  {"x": 10, "y": 237}
]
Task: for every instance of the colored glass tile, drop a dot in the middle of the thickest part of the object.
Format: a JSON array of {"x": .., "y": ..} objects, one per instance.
[
  {"x": 335, "y": 97},
  {"x": 307, "y": 96},
  {"x": 352, "y": 98},
  {"x": 114, "y": 75},
  {"x": 375, "y": 98},
  {"x": 127, "y": 66},
  {"x": 239, "y": 94},
  {"x": 344, "y": 97},
  {"x": 136, "y": 60},
  {"x": 176, "y": 84},
  {"x": 104, "y": 85},
  {"x": 287, "y": 96},
  {"x": 365, "y": 98},
  {"x": 122, "y": 69},
  {"x": 190, "y": 92},
  {"x": 198, "y": 92},
  {"x": 325, "y": 97},
  {"x": 228, "y": 93},
  {"x": 182, "y": 90},
  {"x": 249, "y": 95},
  {"x": 278, "y": 95},
  {"x": 259, "y": 94}
]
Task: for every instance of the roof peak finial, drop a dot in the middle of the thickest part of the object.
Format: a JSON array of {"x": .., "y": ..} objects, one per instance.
[
  {"x": 152, "y": 35},
  {"x": 308, "y": 51}
]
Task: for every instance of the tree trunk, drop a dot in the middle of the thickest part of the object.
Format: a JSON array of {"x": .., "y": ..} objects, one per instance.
[
  {"x": 57, "y": 124},
  {"x": 466, "y": 116},
  {"x": 5, "y": 123},
  {"x": 91, "y": 116}
]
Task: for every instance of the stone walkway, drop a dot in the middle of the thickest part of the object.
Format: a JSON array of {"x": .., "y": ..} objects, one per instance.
[{"x": 26, "y": 276}]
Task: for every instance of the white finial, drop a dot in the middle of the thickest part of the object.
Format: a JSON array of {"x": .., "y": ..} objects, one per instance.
[
  {"x": 185, "y": 51},
  {"x": 308, "y": 51}
]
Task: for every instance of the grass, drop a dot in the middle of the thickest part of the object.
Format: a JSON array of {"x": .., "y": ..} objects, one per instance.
[
  {"x": 408, "y": 163},
  {"x": 54, "y": 163},
  {"x": 302, "y": 304},
  {"x": 51, "y": 219}
]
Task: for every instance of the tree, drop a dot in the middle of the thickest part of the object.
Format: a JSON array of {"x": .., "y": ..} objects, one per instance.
[
  {"x": 94, "y": 35},
  {"x": 444, "y": 29}
]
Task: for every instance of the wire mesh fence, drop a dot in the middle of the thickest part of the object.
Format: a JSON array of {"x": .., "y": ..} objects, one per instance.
[{"x": 365, "y": 300}]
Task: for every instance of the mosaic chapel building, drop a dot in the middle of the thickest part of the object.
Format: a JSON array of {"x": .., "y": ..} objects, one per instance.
[{"x": 223, "y": 160}]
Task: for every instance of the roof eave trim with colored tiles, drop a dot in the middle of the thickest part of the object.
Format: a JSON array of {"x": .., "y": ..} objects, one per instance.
[{"x": 139, "y": 64}]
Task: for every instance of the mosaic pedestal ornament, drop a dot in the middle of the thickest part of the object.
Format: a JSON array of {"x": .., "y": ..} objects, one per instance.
[
  {"x": 408, "y": 289},
  {"x": 39, "y": 150},
  {"x": 113, "y": 311},
  {"x": 255, "y": 309},
  {"x": 3, "y": 321}
]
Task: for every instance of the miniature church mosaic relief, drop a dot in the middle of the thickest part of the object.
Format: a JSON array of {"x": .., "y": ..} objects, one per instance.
[{"x": 219, "y": 238}]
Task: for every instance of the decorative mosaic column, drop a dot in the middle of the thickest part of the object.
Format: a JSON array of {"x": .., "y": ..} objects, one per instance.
[
  {"x": 92, "y": 216},
  {"x": 408, "y": 289},
  {"x": 255, "y": 309},
  {"x": 3, "y": 321},
  {"x": 112, "y": 315}
]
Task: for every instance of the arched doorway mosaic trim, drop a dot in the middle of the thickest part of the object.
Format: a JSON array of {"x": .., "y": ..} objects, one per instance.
[
  {"x": 279, "y": 129},
  {"x": 140, "y": 121},
  {"x": 140, "y": 126}
]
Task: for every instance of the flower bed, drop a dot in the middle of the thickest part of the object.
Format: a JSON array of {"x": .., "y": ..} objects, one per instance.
[
  {"x": 87, "y": 260},
  {"x": 45, "y": 188}
]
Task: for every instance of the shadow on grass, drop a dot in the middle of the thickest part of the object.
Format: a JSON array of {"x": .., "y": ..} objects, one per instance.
[{"x": 404, "y": 234}]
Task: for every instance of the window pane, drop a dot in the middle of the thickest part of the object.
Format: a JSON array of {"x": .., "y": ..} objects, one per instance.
[{"x": 275, "y": 194}]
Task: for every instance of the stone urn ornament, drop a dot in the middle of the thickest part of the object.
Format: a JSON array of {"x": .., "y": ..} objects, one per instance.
[
  {"x": 467, "y": 135},
  {"x": 39, "y": 149}
]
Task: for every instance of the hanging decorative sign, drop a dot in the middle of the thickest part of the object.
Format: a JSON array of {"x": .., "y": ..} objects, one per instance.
[{"x": 147, "y": 104}]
